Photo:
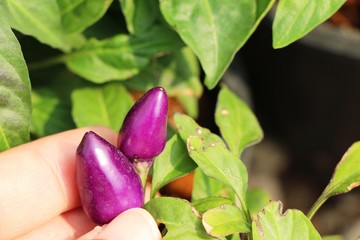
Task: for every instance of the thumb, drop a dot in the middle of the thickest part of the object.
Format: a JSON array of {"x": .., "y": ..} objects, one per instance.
[{"x": 133, "y": 224}]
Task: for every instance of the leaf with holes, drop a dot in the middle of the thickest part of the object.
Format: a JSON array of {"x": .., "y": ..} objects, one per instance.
[
  {"x": 238, "y": 124},
  {"x": 15, "y": 100},
  {"x": 105, "y": 105},
  {"x": 271, "y": 223},
  {"x": 207, "y": 203},
  {"x": 216, "y": 161}
]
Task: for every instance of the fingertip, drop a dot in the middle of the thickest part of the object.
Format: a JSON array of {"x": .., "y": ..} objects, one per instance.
[{"x": 133, "y": 224}]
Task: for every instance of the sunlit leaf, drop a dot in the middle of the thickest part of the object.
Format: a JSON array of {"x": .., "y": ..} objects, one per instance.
[
  {"x": 205, "y": 187},
  {"x": 216, "y": 161},
  {"x": 294, "y": 18},
  {"x": 207, "y": 203},
  {"x": 121, "y": 56},
  {"x": 76, "y": 15},
  {"x": 225, "y": 220},
  {"x": 273, "y": 224},
  {"x": 179, "y": 216},
  {"x": 105, "y": 105},
  {"x": 238, "y": 124},
  {"x": 15, "y": 99},
  {"x": 214, "y": 30},
  {"x": 40, "y": 19},
  {"x": 346, "y": 177}
]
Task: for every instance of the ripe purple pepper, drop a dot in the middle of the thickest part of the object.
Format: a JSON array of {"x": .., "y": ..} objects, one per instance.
[
  {"x": 143, "y": 133},
  {"x": 107, "y": 182}
]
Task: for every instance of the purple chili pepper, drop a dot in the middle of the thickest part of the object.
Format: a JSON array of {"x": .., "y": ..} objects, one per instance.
[
  {"x": 143, "y": 133},
  {"x": 107, "y": 182}
]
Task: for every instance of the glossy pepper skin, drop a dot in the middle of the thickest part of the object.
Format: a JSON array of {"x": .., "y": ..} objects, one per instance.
[
  {"x": 143, "y": 133},
  {"x": 107, "y": 182}
]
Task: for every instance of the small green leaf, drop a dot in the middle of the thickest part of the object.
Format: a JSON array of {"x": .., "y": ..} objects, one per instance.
[
  {"x": 347, "y": 172},
  {"x": 216, "y": 161},
  {"x": 178, "y": 73},
  {"x": 205, "y": 187},
  {"x": 105, "y": 105},
  {"x": 139, "y": 15},
  {"x": 225, "y": 220},
  {"x": 15, "y": 99},
  {"x": 256, "y": 199},
  {"x": 180, "y": 217},
  {"x": 121, "y": 56},
  {"x": 294, "y": 19},
  {"x": 238, "y": 124},
  {"x": 214, "y": 30},
  {"x": 40, "y": 19},
  {"x": 172, "y": 163},
  {"x": 77, "y": 15},
  {"x": 204, "y": 204},
  {"x": 50, "y": 114},
  {"x": 346, "y": 177},
  {"x": 272, "y": 224}
]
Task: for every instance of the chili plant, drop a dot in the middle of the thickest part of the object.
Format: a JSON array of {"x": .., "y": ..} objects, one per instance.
[{"x": 67, "y": 64}]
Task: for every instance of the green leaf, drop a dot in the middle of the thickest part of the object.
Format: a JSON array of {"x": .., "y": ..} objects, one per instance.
[
  {"x": 294, "y": 19},
  {"x": 225, "y": 220},
  {"x": 238, "y": 124},
  {"x": 207, "y": 203},
  {"x": 77, "y": 15},
  {"x": 188, "y": 127},
  {"x": 256, "y": 199},
  {"x": 40, "y": 19},
  {"x": 272, "y": 224},
  {"x": 15, "y": 100},
  {"x": 50, "y": 114},
  {"x": 205, "y": 187},
  {"x": 346, "y": 177},
  {"x": 180, "y": 217},
  {"x": 105, "y": 105},
  {"x": 216, "y": 161},
  {"x": 172, "y": 163},
  {"x": 140, "y": 15},
  {"x": 178, "y": 73},
  {"x": 121, "y": 56},
  {"x": 215, "y": 30}
]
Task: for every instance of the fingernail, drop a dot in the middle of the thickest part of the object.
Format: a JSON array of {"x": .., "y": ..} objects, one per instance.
[{"x": 133, "y": 224}]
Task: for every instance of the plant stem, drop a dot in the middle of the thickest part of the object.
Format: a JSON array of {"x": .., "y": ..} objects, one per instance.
[
  {"x": 46, "y": 63},
  {"x": 142, "y": 168},
  {"x": 317, "y": 205}
]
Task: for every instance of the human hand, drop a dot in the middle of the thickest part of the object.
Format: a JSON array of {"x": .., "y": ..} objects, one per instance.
[{"x": 39, "y": 198}]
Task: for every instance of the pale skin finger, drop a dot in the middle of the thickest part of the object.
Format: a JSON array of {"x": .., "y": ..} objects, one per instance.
[
  {"x": 132, "y": 224},
  {"x": 69, "y": 225},
  {"x": 38, "y": 181}
]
